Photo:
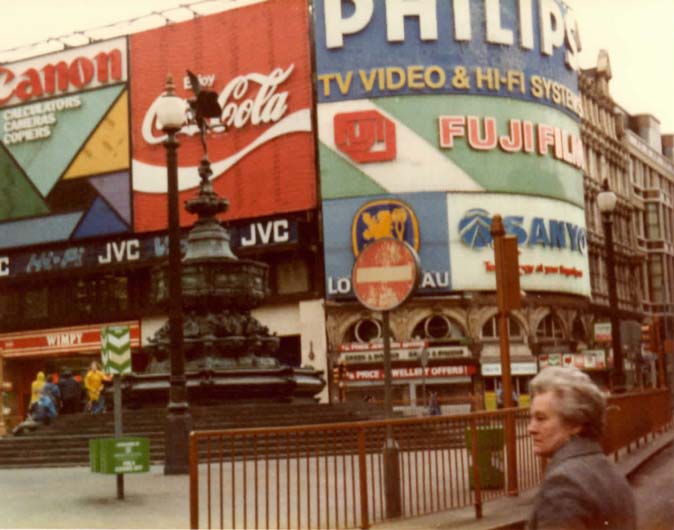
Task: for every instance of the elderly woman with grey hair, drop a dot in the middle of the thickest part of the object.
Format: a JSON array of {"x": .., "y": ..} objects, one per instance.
[{"x": 581, "y": 488}]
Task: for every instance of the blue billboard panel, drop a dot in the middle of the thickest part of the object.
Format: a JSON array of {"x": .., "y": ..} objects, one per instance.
[
  {"x": 524, "y": 50},
  {"x": 420, "y": 219}
]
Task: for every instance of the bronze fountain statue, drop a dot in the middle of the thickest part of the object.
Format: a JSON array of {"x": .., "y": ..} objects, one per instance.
[{"x": 229, "y": 355}]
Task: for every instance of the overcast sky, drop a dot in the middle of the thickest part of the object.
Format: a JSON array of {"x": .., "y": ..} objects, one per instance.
[{"x": 639, "y": 35}]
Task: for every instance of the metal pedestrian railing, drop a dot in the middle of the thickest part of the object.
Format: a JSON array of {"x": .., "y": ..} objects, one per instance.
[{"x": 341, "y": 476}]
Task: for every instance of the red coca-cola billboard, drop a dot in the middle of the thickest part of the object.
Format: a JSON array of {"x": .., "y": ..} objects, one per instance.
[{"x": 257, "y": 60}]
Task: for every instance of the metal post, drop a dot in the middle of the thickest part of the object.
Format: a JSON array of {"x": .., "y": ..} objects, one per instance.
[
  {"x": 178, "y": 420},
  {"x": 508, "y": 296},
  {"x": 510, "y": 435},
  {"x": 117, "y": 400},
  {"x": 3, "y": 427},
  {"x": 391, "y": 465},
  {"x": 616, "y": 340}
]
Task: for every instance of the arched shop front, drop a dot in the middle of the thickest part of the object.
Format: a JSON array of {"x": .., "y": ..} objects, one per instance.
[{"x": 50, "y": 351}]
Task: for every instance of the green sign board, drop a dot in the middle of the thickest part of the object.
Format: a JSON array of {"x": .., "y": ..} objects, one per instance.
[
  {"x": 116, "y": 349},
  {"x": 119, "y": 455}
]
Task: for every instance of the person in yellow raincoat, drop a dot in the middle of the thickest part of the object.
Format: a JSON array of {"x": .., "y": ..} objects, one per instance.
[
  {"x": 93, "y": 382},
  {"x": 36, "y": 387}
]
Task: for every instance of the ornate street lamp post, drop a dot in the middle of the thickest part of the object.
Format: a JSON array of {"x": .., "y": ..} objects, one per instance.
[
  {"x": 171, "y": 114},
  {"x": 606, "y": 200}
]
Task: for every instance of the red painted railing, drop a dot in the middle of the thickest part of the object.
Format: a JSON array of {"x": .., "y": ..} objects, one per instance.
[{"x": 334, "y": 476}]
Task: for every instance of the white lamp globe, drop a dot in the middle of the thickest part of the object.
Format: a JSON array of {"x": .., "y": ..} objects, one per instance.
[
  {"x": 606, "y": 200},
  {"x": 171, "y": 112}
]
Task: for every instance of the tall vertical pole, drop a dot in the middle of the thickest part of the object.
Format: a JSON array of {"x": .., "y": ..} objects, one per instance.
[
  {"x": 388, "y": 378},
  {"x": 117, "y": 400},
  {"x": 178, "y": 420},
  {"x": 3, "y": 427},
  {"x": 391, "y": 463},
  {"x": 618, "y": 373},
  {"x": 508, "y": 297}
]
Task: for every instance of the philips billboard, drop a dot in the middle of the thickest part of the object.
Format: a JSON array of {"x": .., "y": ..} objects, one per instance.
[{"x": 455, "y": 97}]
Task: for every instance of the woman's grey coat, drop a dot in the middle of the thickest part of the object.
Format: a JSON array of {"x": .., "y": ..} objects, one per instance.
[{"x": 583, "y": 490}]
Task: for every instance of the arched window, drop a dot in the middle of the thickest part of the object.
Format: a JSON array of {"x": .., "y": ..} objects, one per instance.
[
  {"x": 490, "y": 328},
  {"x": 365, "y": 330},
  {"x": 550, "y": 328},
  {"x": 578, "y": 331},
  {"x": 437, "y": 327}
]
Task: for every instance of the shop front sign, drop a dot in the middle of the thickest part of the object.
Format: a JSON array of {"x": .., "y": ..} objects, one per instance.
[
  {"x": 585, "y": 360},
  {"x": 358, "y": 353},
  {"x": 59, "y": 341},
  {"x": 263, "y": 233},
  {"x": 602, "y": 332},
  {"x": 494, "y": 369},
  {"x": 416, "y": 372}
]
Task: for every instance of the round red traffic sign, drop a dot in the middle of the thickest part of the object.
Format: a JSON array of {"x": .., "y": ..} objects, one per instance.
[{"x": 385, "y": 274}]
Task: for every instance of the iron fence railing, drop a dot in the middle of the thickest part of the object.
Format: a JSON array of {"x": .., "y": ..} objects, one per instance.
[{"x": 352, "y": 475}]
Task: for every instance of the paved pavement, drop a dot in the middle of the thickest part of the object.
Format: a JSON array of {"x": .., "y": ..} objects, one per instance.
[
  {"x": 74, "y": 497},
  {"x": 77, "y": 498}
]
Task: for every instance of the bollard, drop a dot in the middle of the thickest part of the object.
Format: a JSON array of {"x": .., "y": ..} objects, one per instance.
[{"x": 391, "y": 455}]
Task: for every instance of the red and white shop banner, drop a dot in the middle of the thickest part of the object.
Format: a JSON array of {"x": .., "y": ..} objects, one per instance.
[
  {"x": 411, "y": 373},
  {"x": 59, "y": 341},
  {"x": 257, "y": 60}
]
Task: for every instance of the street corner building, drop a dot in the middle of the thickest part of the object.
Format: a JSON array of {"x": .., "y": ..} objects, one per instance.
[{"x": 342, "y": 123}]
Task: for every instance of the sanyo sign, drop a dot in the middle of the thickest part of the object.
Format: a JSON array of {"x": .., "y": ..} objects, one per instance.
[{"x": 546, "y": 23}]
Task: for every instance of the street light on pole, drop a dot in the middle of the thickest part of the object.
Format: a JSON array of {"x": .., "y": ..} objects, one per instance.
[
  {"x": 171, "y": 115},
  {"x": 607, "y": 201}
]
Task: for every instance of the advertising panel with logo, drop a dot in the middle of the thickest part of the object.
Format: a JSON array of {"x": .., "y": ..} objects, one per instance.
[
  {"x": 551, "y": 237},
  {"x": 256, "y": 58},
  {"x": 64, "y": 150},
  {"x": 448, "y": 96},
  {"x": 418, "y": 219}
]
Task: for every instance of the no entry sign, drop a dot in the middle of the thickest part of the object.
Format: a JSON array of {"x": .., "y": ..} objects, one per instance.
[{"x": 385, "y": 274}]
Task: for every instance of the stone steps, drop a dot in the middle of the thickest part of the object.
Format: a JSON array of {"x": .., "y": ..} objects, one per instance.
[{"x": 65, "y": 442}]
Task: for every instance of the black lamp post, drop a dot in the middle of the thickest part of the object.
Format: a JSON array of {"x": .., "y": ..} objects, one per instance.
[
  {"x": 171, "y": 114},
  {"x": 606, "y": 200}
]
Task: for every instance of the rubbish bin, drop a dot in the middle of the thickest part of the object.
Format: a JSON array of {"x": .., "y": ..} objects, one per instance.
[{"x": 490, "y": 441}]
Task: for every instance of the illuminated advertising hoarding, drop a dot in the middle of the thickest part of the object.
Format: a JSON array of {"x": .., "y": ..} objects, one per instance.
[
  {"x": 444, "y": 96},
  {"x": 523, "y": 50},
  {"x": 418, "y": 219},
  {"x": 64, "y": 150},
  {"x": 551, "y": 237},
  {"x": 455, "y": 97},
  {"x": 451, "y": 234},
  {"x": 257, "y": 59}
]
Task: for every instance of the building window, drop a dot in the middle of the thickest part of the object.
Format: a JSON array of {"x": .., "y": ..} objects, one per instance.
[
  {"x": 490, "y": 328},
  {"x": 364, "y": 331},
  {"x": 437, "y": 327},
  {"x": 578, "y": 332},
  {"x": 652, "y": 221},
  {"x": 290, "y": 350},
  {"x": 550, "y": 328}
]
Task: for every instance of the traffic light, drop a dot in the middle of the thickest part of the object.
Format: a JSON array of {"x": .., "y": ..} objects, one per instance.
[
  {"x": 646, "y": 337},
  {"x": 651, "y": 335},
  {"x": 339, "y": 372}
]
